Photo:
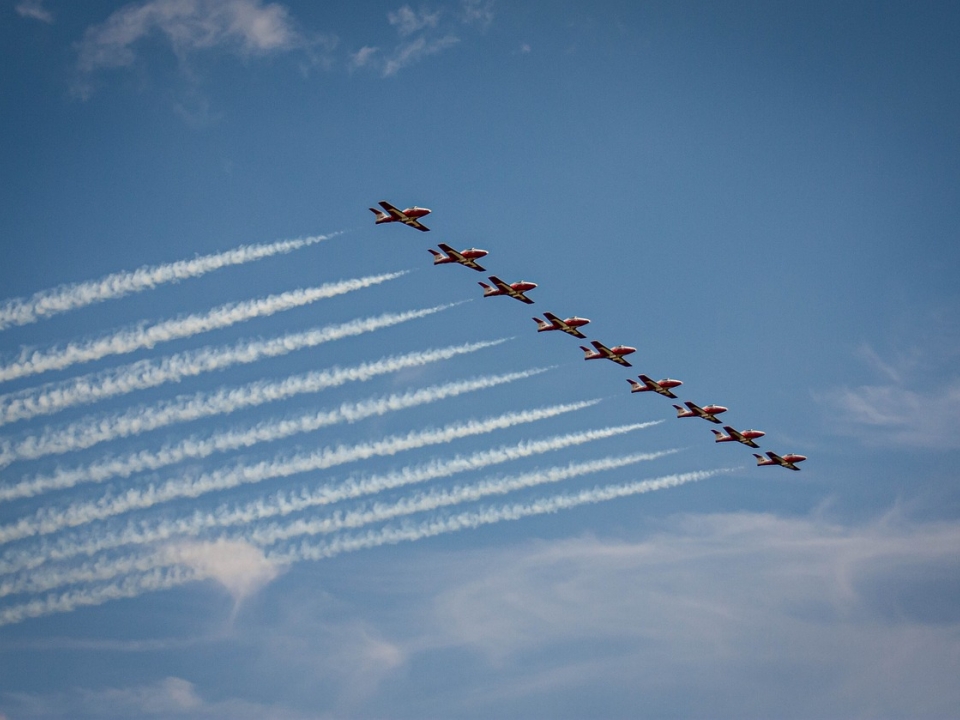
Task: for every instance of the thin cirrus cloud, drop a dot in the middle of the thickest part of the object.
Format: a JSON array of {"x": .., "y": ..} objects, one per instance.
[
  {"x": 34, "y": 10},
  {"x": 246, "y": 27},
  {"x": 422, "y": 33}
]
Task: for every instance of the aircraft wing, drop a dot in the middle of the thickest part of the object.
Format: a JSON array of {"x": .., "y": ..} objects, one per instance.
[
  {"x": 609, "y": 354},
  {"x": 561, "y": 325},
  {"x": 701, "y": 412},
  {"x": 414, "y": 223},
  {"x": 776, "y": 458},
  {"x": 502, "y": 286},
  {"x": 656, "y": 387},
  {"x": 739, "y": 436},
  {"x": 392, "y": 211},
  {"x": 455, "y": 254}
]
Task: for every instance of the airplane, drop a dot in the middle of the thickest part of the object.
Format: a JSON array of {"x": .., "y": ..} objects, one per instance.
[
  {"x": 787, "y": 461},
  {"x": 407, "y": 217},
  {"x": 746, "y": 437},
  {"x": 662, "y": 387},
  {"x": 615, "y": 353},
  {"x": 515, "y": 290},
  {"x": 568, "y": 326},
  {"x": 694, "y": 410},
  {"x": 464, "y": 257}
]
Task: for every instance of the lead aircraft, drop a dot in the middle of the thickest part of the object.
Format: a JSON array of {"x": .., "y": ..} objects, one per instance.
[
  {"x": 649, "y": 385},
  {"x": 707, "y": 412},
  {"x": 746, "y": 437},
  {"x": 569, "y": 326},
  {"x": 601, "y": 351},
  {"x": 407, "y": 217},
  {"x": 515, "y": 290},
  {"x": 787, "y": 461},
  {"x": 464, "y": 257}
]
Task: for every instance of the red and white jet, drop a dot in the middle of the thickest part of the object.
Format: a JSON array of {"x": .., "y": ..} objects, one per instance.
[
  {"x": 787, "y": 461},
  {"x": 515, "y": 290},
  {"x": 746, "y": 437},
  {"x": 694, "y": 410},
  {"x": 601, "y": 351},
  {"x": 650, "y": 385},
  {"x": 407, "y": 217},
  {"x": 569, "y": 326},
  {"x": 464, "y": 257}
]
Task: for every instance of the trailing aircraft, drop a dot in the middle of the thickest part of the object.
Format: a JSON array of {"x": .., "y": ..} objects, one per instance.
[
  {"x": 649, "y": 385},
  {"x": 407, "y": 217},
  {"x": 601, "y": 351},
  {"x": 568, "y": 326},
  {"x": 746, "y": 437},
  {"x": 515, "y": 290},
  {"x": 787, "y": 461},
  {"x": 707, "y": 413},
  {"x": 464, "y": 257}
]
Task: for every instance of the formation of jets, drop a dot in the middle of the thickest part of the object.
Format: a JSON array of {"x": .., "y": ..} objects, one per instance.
[{"x": 571, "y": 326}]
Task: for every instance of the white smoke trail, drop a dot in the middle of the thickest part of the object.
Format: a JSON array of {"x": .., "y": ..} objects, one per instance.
[
  {"x": 108, "y": 569},
  {"x": 54, "y": 397},
  {"x": 61, "y": 299},
  {"x": 164, "y": 579},
  {"x": 484, "y": 516},
  {"x": 196, "y": 448},
  {"x": 282, "y": 504},
  {"x": 90, "y": 431},
  {"x": 146, "y": 336},
  {"x": 48, "y": 520}
]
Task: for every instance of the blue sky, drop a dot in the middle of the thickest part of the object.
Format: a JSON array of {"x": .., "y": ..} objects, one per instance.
[{"x": 760, "y": 197}]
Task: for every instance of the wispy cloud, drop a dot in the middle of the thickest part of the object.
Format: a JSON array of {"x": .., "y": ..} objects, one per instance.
[
  {"x": 94, "y": 387},
  {"x": 895, "y": 412},
  {"x": 22, "y": 311},
  {"x": 245, "y": 27},
  {"x": 35, "y": 10},
  {"x": 50, "y": 520},
  {"x": 99, "y": 539},
  {"x": 421, "y": 33},
  {"x": 32, "y": 362}
]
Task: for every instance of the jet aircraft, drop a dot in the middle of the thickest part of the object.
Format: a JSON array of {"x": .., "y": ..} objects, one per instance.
[
  {"x": 787, "y": 461},
  {"x": 464, "y": 257},
  {"x": 515, "y": 290},
  {"x": 649, "y": 385},
  {"x": 615, "y": 353},
  {"x": 568, "y": 326},
  {"x": 707, "y": 413},
  {"x": 746, "y": 437},
  {"x": 407, "y": 217}
]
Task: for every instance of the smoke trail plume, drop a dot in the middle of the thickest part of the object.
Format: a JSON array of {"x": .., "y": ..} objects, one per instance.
[
  {"x": 282, "y": 504},
  {"x": 108, "y": 569},
  {"x": 90, "y": 431},
  {"x": 164, "y": 579},
  {"x": 194, "y": 448},
  {"x": 146, "y": 336},
  {"x": 54, "y": 397},
  {"x": 23, "y": 311},
  {"x": 47, "y": 520}
]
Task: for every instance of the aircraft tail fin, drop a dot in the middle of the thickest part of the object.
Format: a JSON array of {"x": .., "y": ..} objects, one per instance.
[
  {"x": 680, "y": 410},
  {"x": 437, "y": 257},
  {"x": 381, "y": 216},
  {"x": 635, "y": 386},
  {"x": 542, "y": 324},
  {"x": 761, "y": 460},
  {"x": 487, "y": 290},
  {"x": 587, "y": 353},
  {"x": 719, "y": 435}
]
